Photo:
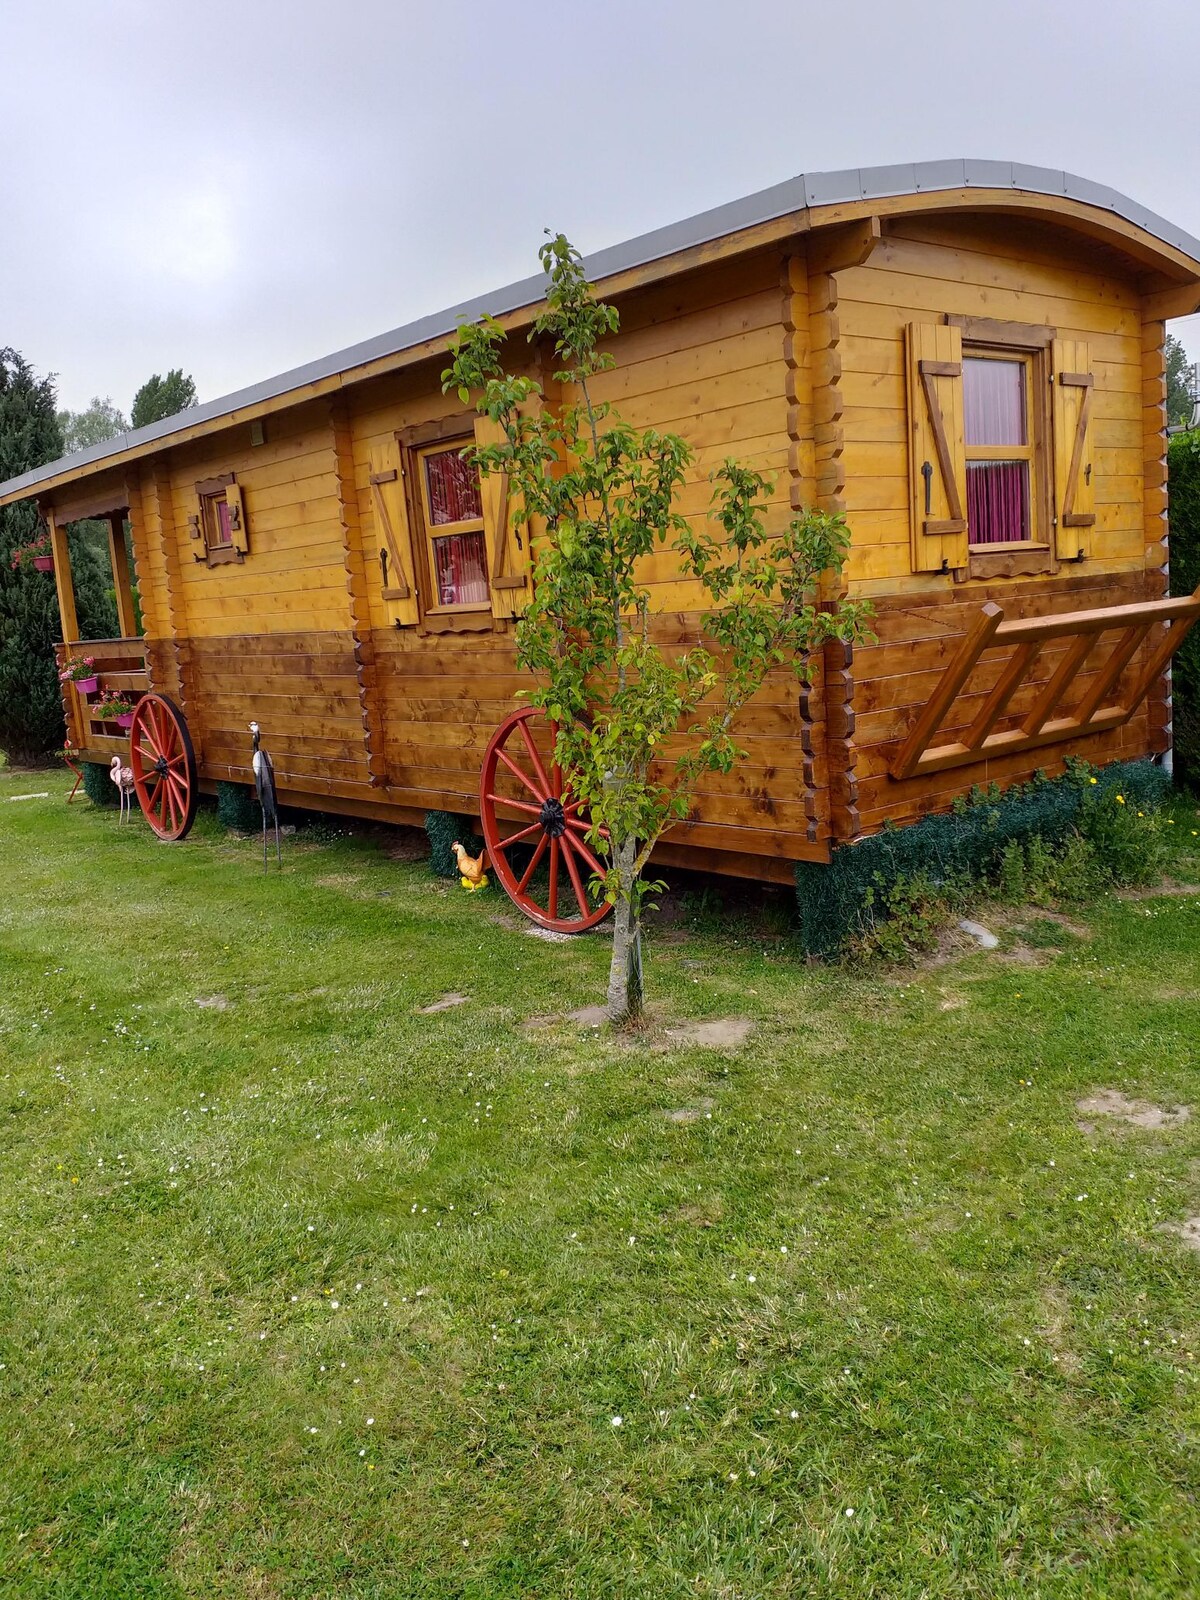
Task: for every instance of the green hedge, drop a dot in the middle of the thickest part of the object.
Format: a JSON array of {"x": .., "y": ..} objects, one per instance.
[
  {"x": 839, "y": 900},
  {"x": 1183, "y": 459}
]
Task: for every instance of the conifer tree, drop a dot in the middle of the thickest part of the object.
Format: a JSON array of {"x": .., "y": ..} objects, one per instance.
[{"x": 31, "y": 724}]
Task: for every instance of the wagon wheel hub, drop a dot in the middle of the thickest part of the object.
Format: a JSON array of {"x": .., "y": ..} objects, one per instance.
[
  {"x": 552, "y": 817},
  {"x": 540, "y": 840}
]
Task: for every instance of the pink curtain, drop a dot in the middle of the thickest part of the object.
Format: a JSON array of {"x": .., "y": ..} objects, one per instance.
[
  {"x": 994, "y": 401},
  {"x": 453, "y": 488},
  {"x": 997, "y": 501},
  {"x": 461, "y": 561}
]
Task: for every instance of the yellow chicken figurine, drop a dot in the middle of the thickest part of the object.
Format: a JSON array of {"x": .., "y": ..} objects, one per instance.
[{"x": 472, "y": 868}]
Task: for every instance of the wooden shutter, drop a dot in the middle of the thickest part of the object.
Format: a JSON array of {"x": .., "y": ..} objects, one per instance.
[
  {"x": 237, "y": 518},
  {"x": 937, "y": 453},
  {"x": 389, "y": 508},
  {"x": 1074, "y": 474},
  {"x": 507, "y": 546}
]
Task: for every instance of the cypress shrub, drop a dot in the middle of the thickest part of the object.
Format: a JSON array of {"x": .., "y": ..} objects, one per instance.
[
  {"x": 31, "y": 717},
  {"x": 443, "y": 827},
  {"x": 1183, "y": 460},
  {"x": 98, "y": 785},
  {"x": 237, "y": 807}
]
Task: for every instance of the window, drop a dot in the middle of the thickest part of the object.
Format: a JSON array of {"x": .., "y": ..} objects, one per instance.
[
  {"x": 453, "y": 511},
  {"x": 998, "y": 431},
  {"x": 220, "y": 522}
]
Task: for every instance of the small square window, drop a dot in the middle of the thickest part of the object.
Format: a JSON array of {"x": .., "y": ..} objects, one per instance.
[{"x": 219, "y": 520}]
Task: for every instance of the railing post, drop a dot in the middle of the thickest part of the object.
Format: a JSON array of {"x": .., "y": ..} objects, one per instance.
[
  {"x": 126, "y": 611},
  {"x": 62, "y": 577}
]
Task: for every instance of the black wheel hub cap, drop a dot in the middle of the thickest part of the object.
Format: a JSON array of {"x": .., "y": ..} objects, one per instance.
[{"x": 553, "y": 818}]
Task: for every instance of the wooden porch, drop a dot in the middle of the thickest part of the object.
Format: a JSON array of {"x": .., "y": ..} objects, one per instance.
[
  {"x": 1022, "y": 683},
  {"x": 120, "y": 666}
]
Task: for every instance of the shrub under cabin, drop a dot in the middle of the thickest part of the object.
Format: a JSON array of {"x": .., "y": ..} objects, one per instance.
[{"x": 964, "y": 358}]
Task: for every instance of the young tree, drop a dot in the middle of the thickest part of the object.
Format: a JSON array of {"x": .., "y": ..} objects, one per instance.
[
  {"x": 640, "y": 722},
  {"x": 80, "y": 429},
  {"x": 1181, "y": 396},
  {"x": 161, "y": 397},
  {"x": 31, "y": 723}
]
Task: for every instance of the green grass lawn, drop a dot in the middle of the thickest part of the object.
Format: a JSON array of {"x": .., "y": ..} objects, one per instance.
[{"x": 308, "y": 1294}]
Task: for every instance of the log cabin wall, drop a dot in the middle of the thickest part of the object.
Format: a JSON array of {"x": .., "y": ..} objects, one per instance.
[{"x": 925, "y": 269}]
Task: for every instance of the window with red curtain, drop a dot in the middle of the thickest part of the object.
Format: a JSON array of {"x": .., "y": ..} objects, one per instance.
[
  {"x": 454, "y": 517},
  {"x": 998, "y": 448}
]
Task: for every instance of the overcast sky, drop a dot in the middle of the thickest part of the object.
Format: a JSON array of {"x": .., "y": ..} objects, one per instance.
[{"x": 237, "y": 186}]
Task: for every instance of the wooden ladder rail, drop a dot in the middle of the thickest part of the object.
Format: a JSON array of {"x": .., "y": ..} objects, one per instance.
[{"x": 1040, "y": 726}]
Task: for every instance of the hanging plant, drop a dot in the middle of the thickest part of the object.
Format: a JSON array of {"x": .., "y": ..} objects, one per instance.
[
  {"x": 114, "y": 707},
  {"x": 81, "y": 671},
  {"x": 38, "y": 553}
]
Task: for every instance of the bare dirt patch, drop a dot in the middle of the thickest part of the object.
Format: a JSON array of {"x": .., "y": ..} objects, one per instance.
[
  {"x": 408, "y": 844},
  {"x": 689, "y": 1114},
  {"x": 726, "y": 1033},
  {"x": 1188, "y": 1231},
  {"x": 1056, "y": 1327},
  {"x": 446, "y": 1003},
  {"x": 213, "y": 1002},
  {"x": 588, "y": 1016},
  {"x": 1138, "y": 1113},
  {"x": 550, "y": 935}
]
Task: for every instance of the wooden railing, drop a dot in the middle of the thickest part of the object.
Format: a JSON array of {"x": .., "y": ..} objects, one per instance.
[
  {"x": 120, "y": 666},
  {"x": 1106, "y": 702}
]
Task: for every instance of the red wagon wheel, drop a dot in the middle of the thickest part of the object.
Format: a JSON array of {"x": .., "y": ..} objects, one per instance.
[
  {"x": 164, "y": 766},
  {"x": 522, "y": 803}
]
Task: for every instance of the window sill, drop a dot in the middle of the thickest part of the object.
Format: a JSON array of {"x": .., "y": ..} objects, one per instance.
[
  {"x": 221, "y": 557},
  {"x": 457, "y": 619},
  {"x": 1009, "y": 560}
]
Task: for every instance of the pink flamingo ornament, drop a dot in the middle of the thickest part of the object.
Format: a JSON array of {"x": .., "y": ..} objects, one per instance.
[{"x": 123, "y": 778}]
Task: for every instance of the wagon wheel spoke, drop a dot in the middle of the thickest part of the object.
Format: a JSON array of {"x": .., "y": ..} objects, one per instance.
[
  {"x": 554, "y": 855},
  {"x": 536, "y": 759},
  {"x": 523, "y": 884},
  {"x": 583, "y": 849},
  {"x": 515, "y": 838},
  {"x": 518, "y": 773},
  {"x": 573, "y": 873},
  {"x": 517, "y": 805}
]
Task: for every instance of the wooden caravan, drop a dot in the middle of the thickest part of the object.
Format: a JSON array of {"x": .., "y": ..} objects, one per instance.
[{"x": 965, "y": 358}]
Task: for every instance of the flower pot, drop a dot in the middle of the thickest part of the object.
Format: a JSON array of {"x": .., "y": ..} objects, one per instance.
[
  {"x": 87, "y": 686},
  {"x": 44, "y": 563},
  {"x": 125, "y": 721}
]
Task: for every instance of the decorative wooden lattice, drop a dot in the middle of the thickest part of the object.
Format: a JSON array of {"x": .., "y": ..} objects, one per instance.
[{"x": 1106, "y": 701}]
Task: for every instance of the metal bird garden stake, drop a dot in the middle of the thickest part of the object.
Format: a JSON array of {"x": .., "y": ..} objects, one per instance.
[{"x": 264, "y": 787}]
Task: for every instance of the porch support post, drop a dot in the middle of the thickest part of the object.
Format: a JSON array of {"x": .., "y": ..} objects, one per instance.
[
  {"x": 62, "y": 577},
  {"x": 126, "y": 611}
]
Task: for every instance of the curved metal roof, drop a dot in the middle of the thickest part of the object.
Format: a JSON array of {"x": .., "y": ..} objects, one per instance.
[{"x": 808, "y": 190}]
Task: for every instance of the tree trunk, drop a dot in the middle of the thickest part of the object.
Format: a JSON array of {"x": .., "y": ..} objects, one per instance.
[{"x": 625, "y": 973}]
